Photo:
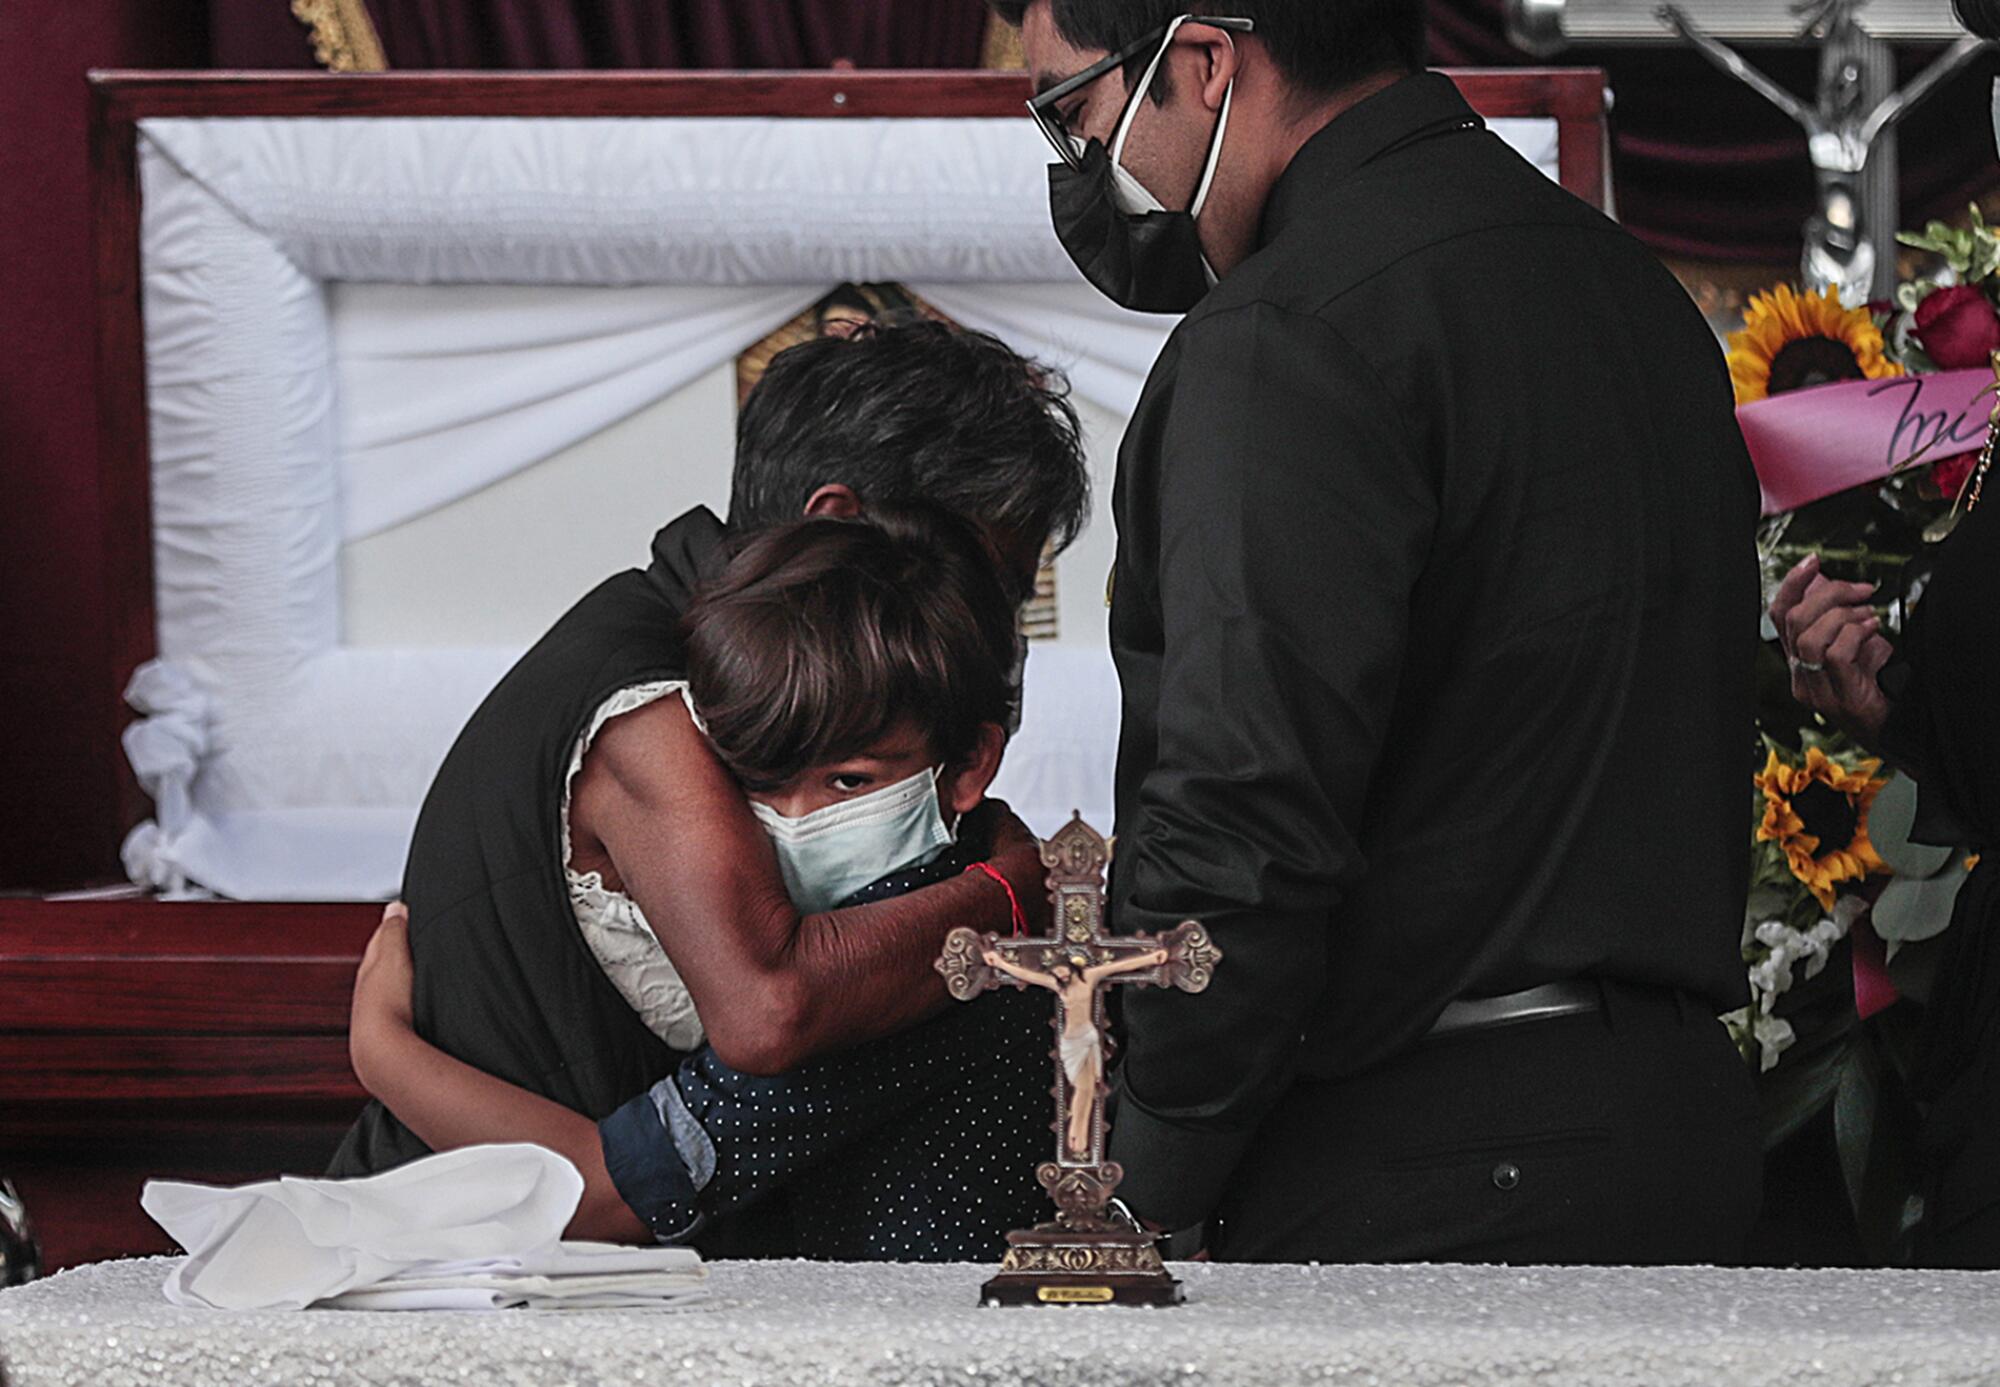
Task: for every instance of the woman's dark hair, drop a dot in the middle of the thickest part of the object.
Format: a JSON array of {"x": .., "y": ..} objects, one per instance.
[
  {"x": 1321, "y": 46},
  {"x": 921, "y": 413},
  {"x": 821, "y": 635}
]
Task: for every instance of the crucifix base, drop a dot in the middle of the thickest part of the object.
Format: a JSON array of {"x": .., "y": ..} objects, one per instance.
[{"x": 1053, "y": 1265}]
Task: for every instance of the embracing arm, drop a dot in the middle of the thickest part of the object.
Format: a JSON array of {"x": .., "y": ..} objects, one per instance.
[
  {"x": 774, "y": 988},
  {"x": 449, "y": 1104}
]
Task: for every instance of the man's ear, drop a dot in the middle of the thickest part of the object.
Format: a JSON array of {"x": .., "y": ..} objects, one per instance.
[
  {"x": 833, "y": 501},
  {"x": 1219, "y": 59},
  {"x": 965, "y": 781}
]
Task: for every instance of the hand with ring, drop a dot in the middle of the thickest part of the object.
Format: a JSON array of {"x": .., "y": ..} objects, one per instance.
[{"x": 1833, "y": 642}]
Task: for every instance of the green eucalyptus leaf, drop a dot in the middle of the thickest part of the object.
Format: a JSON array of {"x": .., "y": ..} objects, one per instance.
[
  {"x": 1890, "y": 820},
  {"x": 1909, "y": 911}
]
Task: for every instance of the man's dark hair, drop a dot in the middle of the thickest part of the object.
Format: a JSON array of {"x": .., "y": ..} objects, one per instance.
[
  {"x": 822, "y": 635},
  {"x": 1321, "y": 46},
  {"x": 920, "y": 413},
  {"x": 1982, "y": 17}
]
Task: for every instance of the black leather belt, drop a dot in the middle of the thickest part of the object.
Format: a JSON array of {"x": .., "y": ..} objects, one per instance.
[{"x": 1571, "y": 997}]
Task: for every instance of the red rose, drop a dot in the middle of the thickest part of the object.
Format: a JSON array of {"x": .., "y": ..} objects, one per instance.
[
  {"x": 1957, "y": 327},
  {"x": 1950, "y": 473}
]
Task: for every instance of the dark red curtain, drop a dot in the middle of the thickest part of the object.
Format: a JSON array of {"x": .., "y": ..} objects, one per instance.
[
  {"x": 626, "y": 33},
  {"x": 1706, "y": 169},
  {"x": 59, "y": 757}
]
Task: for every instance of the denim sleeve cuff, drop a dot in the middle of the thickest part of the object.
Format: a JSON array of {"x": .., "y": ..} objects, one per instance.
[
  {"x": 647, "y": 1169},
  {"x": 1174, "y": 1176}
]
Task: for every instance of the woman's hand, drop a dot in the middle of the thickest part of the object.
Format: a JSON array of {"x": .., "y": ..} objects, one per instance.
[
  {"x": 381, "y": 1012},
  {"x": 1834, "y": 644},
  {"x": 1017, "y": 855}
]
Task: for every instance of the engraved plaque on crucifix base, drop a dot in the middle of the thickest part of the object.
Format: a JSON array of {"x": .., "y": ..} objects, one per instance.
[{"x": 1090, "y": 1253}]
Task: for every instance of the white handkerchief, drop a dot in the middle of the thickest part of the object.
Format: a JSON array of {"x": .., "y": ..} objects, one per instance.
[{"x": 283, "y": 1244}]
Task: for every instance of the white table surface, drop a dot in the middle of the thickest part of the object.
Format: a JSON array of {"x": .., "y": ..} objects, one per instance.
[{"x": 792, "y": 1322}]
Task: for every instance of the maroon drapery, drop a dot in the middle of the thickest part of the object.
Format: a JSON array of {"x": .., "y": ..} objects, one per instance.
[
  {"x": 513, "y": 34},
  {"x": 59, "y": 759}
]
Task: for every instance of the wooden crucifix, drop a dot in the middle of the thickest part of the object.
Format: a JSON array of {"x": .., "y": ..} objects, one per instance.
[{"x": 1089, "y": 1254}]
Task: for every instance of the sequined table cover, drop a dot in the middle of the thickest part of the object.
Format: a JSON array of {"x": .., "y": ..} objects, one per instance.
[{"x": 796, "y": 1323}]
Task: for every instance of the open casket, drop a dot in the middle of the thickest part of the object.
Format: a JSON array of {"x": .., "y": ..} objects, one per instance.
[{"x": 425, "y": 357}]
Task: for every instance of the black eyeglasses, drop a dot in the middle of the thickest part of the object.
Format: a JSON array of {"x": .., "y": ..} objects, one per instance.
[{"x": 1042, "y": 105}]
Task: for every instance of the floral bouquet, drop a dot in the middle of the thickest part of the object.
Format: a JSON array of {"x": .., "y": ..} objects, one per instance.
[{"x": 1865, "y": 424}]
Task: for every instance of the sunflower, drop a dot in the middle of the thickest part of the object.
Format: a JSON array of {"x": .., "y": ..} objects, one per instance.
[
  {"x": 1817, "y": 814},
  {"x": 1789, "y": 341}
]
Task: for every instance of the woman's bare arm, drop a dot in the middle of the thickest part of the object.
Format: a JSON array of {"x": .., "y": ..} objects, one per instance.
[
  {"x": 449, "y": 1104},
  {"x": 774, "y": 988}
]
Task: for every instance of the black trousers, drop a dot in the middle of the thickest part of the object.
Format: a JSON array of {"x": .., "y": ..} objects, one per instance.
[{"x": 1628, "y": 1137}]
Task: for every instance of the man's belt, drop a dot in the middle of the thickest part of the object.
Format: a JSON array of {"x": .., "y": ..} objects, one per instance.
[{"x": 1571, "y": 997}]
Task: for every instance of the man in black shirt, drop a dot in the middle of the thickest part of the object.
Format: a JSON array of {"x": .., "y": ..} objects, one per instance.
[{"x": 1434, "y": 609}]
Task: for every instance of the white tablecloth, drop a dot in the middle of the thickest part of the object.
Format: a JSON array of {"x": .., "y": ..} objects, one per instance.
[{"x": 795, "y": 1323}]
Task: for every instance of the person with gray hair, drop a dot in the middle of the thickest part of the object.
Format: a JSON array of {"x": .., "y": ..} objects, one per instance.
[{"x": 590, "y": 897}]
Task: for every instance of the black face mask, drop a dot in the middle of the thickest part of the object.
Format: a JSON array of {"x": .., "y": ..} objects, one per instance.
[{"x": 1151, "y": 261}]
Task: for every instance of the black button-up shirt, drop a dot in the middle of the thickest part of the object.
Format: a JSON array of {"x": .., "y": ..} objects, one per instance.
[{"x": 1435, "y": 610}]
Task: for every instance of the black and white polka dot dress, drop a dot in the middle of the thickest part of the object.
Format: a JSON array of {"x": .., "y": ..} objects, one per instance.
[{"x": 918, "y": 1147}]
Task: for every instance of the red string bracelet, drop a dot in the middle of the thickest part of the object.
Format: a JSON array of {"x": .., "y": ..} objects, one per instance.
[{"x": 1013, "y": 901}]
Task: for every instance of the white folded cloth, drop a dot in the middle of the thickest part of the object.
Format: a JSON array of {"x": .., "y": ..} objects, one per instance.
[
  {"x": 477, "y": 1228},
  {"x": 567, "y": 1276}
]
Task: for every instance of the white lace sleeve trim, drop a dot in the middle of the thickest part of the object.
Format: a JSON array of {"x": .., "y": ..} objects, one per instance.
[{"x": 611, "y": 921}]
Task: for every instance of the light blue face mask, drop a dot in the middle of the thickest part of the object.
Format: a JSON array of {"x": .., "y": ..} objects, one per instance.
[{"x": 829, "y": 854}]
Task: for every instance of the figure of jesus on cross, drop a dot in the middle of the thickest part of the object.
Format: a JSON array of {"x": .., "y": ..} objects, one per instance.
[{"x": 1079, "y": 1042}]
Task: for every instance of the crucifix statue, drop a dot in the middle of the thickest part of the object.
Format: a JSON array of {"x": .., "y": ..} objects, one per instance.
[
  {"x": 1089, "y": 1253},
  {"x": 1845, "y": 125}
]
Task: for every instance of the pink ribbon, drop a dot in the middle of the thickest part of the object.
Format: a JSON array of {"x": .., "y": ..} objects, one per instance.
[
  {"x": 1873, "y": 991},
  {"x": 1811, "y": 443}
]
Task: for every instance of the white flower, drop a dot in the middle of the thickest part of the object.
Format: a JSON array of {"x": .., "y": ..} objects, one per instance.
[
  {"x": 1785, "y": 949},
  {"x": 1774, "y": 1037}
]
